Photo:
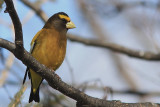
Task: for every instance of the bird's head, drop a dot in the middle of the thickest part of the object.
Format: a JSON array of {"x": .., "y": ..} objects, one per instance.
[{"x": 60, "y": 21}]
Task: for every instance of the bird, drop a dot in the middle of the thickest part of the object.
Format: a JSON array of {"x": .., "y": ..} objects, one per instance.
[{"x": 48, "y": 47}]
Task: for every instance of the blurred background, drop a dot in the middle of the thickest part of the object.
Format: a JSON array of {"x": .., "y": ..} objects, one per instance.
[{"x": 99, "y": 72}]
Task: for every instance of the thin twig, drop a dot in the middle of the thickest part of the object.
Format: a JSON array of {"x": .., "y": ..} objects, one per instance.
[
  {"x": 17, "y": 97},
  {"x": 5, "y": 71}
]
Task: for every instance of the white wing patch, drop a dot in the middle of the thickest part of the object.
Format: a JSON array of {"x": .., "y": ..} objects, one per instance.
[{"x": 32, "y": 46}]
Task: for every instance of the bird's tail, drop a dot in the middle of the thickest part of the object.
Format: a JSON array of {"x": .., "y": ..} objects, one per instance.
[{"x": 34, "y": 96}]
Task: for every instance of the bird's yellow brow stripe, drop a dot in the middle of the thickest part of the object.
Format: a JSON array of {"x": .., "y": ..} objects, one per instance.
[{"x": 64, "y": 17}]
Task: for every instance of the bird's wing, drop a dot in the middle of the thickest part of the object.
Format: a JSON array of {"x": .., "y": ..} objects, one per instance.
[
  {"x": 33, "y": 43},
  {"x": 27, "y": 70},
  {"x": 29, "y": 75}
]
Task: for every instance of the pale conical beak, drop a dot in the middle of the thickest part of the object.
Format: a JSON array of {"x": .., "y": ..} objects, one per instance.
[{"x": 70, "y": 25}]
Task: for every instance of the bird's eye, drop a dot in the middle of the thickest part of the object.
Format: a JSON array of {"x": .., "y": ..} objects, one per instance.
[{"x": 64, "y": 20}]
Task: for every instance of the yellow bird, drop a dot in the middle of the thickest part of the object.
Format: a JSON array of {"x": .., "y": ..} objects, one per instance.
[{"x": 48, "y": 47}]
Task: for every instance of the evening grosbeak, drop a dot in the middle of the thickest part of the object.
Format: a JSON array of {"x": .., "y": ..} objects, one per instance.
[{"x": 49, "y": 48}]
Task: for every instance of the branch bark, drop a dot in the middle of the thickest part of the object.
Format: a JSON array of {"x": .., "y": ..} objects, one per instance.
[
  {"x": 17, "y": 27},
  {"x": 56, "y": 83}
]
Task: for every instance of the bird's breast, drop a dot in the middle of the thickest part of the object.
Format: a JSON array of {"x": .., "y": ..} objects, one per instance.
[
  {"x": 50, "y": 49},
  {"x": 55, "y": 51}
]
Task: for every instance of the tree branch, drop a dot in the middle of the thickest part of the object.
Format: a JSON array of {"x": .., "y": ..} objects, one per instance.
[
  {"x": 17, "y": 27},
  {"x": 56, "y": 83}
]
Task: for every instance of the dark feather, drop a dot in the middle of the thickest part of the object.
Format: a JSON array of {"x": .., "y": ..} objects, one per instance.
[
  {"x": 35, "y": 96},
  {"x": 29, "y": 74},
  {"x": 25, "y": 76}
]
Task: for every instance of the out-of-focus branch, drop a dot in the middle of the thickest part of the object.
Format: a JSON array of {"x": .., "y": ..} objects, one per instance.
[
  {"x": 127, "y": 91},
  {"x": 8, "y": 65},
  {"x": 92, "y": 19},
  {"x": 1, "y": 56},
  {"x": 37, "y": 10},
  {"x": 114, "y": 47},
  {"x": 17, "y": 97},
  {"x": 101, "y": 88},
  {"x": 71, "y": 70},
  {"x": 139, "y": 93}
]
